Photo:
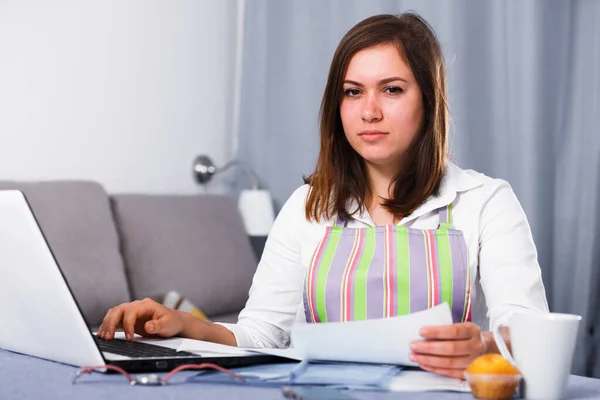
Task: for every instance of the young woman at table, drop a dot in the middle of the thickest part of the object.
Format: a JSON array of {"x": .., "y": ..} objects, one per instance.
[{"x": 385, "y": 225}]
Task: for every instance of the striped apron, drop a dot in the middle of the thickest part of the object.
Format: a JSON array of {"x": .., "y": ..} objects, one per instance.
[{"x": 385, "y": 271}]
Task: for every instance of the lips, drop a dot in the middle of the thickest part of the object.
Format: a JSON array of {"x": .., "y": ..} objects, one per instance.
[{"x": 370, "y": 135}]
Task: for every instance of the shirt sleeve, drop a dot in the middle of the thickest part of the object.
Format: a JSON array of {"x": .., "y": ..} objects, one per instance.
[
  {"x": 510, "y": 275},
  {"x": 276, "y": 290}
]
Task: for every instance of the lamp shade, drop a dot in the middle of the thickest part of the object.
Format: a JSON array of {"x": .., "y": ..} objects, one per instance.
[{"x": 256, "y": 208}]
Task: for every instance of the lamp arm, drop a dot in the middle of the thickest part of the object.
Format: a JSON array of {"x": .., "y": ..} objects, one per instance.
[{"x": 246, "y": 169}]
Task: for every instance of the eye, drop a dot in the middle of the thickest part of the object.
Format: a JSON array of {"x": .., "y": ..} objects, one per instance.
[
  {"x": 351, "y": 92},
  {"x": 394, "y": 90}
]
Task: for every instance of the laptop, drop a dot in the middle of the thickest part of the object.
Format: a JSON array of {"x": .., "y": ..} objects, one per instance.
[{"x": 41, "y": 318}]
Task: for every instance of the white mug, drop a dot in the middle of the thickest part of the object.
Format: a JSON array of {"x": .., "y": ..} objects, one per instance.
[{"x": 543, "y": 347}]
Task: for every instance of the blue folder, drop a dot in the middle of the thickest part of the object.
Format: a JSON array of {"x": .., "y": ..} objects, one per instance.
[{"x": 339, "y": 375}]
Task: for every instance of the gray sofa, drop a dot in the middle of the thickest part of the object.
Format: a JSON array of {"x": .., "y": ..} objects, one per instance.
[{"x": 118, "y": 248}]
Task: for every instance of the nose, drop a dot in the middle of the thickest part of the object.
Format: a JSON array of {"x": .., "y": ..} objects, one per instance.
[{"x": 371, "y": 110}]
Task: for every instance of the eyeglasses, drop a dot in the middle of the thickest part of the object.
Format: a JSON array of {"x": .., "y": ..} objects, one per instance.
[{"x": 153, "y": 379}]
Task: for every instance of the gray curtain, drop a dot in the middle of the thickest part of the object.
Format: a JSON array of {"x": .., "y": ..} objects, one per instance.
[{"x": 524, "y": 88}]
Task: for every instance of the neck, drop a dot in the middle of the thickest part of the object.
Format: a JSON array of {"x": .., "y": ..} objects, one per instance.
[{"x": 379, "y": 180}]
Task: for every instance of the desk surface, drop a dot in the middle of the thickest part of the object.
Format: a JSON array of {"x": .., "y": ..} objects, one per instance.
[{"x": 24, "y": 377}]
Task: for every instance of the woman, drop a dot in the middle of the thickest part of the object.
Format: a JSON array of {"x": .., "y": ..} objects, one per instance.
[{"x": 385, "y": 225}]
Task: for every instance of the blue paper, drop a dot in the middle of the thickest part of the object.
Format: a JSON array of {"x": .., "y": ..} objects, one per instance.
[{"x": 343, "y": 375}]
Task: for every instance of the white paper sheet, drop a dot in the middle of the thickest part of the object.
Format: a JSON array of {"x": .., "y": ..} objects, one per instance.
[
  {"x": 382, "y": 341},
  {"x": 213, "y": 349},
  {"x": 290, "y": 352},
  {"x": 420, "y": 381}
]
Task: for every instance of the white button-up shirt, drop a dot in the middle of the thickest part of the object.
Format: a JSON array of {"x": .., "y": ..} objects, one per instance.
[{"x": 506, "y": 277}]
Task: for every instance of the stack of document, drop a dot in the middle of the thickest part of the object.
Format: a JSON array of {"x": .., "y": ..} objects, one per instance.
[
  {"x": 373, "y": 349},
  {"x": 340, "y": 376},
  {"x": 337, "y": 375}
]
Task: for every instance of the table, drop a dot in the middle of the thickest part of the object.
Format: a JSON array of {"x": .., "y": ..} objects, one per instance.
[{"x": 24, "y": 377}]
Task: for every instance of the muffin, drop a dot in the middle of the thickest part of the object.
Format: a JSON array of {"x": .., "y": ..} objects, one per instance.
[{"x": 492, "y": 377}]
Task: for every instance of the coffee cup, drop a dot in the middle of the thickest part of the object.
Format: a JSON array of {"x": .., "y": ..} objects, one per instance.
[{"x": 542, "y": 350}]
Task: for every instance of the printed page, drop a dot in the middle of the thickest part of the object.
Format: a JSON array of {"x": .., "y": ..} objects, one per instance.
[
  {"x": 381, "y": 341},
  {"x": 213, "y": 349},
  {"x": 419, "y": 381}
]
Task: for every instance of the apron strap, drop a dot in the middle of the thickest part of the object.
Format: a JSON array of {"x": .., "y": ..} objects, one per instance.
[
  {"x": 339, "y": 221},
  {"x": 445, "y": 214}
]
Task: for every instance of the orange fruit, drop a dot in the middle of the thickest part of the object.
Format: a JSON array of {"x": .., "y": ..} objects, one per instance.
[
  {"x": 492, "y": 364},
  {"x": 492, "y": 377}
]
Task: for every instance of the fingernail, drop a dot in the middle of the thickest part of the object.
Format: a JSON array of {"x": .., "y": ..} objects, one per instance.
[
  {"x": 414, "y": 347},
  {"x": 150, "y": 327},
  {"x": 413, "y": 357},
  {"x": 128, "y": 336},
  {"x": 423, "y": 332}
]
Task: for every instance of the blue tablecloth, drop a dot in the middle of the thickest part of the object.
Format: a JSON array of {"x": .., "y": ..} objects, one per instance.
[{"x": 24, "y": 377}]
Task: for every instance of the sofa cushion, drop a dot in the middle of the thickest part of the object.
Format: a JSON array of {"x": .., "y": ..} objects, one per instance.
[
  {"x": 194, "y": 245},
  {"x": 77, "y": 222}
]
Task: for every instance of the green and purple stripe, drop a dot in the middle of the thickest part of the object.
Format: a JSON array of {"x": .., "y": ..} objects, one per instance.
[{"x": 376, "y": 272}]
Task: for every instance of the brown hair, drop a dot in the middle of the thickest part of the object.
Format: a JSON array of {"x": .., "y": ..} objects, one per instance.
[{"x": 340, "y": 172}]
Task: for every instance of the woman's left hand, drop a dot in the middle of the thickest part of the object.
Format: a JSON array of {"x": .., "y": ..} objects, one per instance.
[{"x": 448, "y": 350}]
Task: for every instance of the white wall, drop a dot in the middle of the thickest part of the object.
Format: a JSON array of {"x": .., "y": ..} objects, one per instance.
[{"x": 124, "y": 92}]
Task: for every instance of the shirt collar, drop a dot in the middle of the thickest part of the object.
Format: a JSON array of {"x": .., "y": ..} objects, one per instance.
[{"x": 454, "y": 181}]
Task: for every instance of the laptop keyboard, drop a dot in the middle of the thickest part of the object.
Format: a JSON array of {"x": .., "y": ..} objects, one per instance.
[{"x": 139, "y": 349}]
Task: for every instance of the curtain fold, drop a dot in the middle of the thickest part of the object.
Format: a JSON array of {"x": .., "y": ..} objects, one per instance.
[
  {"x": 576, "y": 223},
  {"x": 524, "y": 92}
]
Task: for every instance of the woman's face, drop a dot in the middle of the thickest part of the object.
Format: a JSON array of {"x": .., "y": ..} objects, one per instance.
[{"x": 381, "y": 107}]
